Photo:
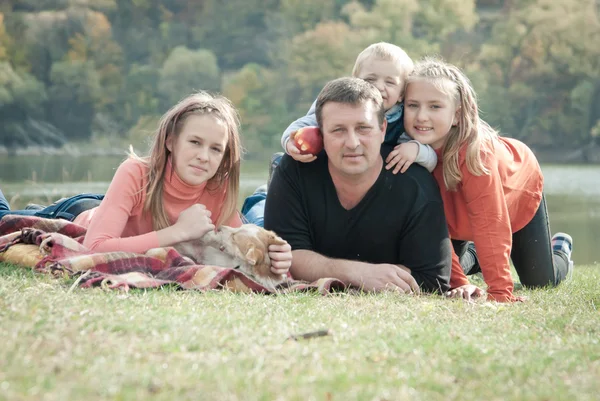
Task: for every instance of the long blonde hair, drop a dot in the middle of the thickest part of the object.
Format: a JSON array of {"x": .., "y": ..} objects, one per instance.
[
  {"x": 470, "y": 128},
  {"x": 171, "y": 123}
]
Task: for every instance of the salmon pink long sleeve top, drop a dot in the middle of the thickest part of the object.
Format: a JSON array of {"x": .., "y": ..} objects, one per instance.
[
  {"x": 119, "y": 223},
  {"x": 488, "y": 209}
]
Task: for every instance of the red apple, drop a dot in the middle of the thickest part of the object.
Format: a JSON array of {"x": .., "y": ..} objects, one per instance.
[{"x": 308, "y": 140}]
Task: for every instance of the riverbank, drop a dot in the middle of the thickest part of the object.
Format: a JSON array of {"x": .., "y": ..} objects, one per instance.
[
  {"x": 585, "y": 155},
  {"x": 67, "y": 150}
]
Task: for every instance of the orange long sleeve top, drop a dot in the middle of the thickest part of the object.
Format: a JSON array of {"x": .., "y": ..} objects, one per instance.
[
  {"x": 487, "y": 209},
  {"x": 120, "y": 223}
]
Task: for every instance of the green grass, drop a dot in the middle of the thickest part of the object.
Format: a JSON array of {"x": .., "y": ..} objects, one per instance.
[{"x": 165, "y": 344}]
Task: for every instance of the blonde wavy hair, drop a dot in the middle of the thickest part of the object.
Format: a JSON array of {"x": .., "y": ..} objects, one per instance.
[
  {"x": 171, "y": 123},
  {"x": 470, "y": 129}
]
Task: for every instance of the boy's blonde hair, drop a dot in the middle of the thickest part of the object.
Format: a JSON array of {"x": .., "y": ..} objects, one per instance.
[
  {"x": 387, "y": 52},
  {"x": 171, "y": 123},
  {"x": 470, "y": 128}
]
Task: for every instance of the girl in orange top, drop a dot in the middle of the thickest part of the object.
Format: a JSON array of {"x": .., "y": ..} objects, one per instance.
[
  {"x": 186, "y": 186},
  {"x": 491, "y": 186}
]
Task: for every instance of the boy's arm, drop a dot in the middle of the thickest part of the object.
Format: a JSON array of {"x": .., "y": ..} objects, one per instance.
[
  {"x": 426, "y": 156},
  {"x": 310, "y": 119}
]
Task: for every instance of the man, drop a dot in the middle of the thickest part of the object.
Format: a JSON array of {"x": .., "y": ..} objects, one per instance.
[{"x": 346, "y": 216}]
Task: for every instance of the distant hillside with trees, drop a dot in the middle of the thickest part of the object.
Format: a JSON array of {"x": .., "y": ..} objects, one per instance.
[{"x": 104, "y": 70}]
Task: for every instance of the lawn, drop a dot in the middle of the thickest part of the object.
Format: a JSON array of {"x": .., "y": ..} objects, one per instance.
[{"x": 64, "y": 343}]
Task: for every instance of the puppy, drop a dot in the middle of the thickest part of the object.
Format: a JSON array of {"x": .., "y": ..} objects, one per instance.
[{"x": 245, "y": 249}]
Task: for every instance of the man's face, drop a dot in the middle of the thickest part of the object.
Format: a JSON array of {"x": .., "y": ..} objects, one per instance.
[{"x": 352, "y": 137}]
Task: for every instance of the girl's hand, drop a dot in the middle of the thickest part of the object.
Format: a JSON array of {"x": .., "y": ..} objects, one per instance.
[
  {"x": 194, "y": 222},
  {"x": 402, "y": 157},
  {"x": 506, "y": 299},
  {"x": 281, "y": 258},
  {"x": 468, "y": 292},
  {"x": 296, "y": 155}
]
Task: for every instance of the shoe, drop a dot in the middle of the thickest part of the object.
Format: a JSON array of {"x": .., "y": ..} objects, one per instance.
[
  {"x": 562, "y": 242},
  {"x": 275, "y": 160}
]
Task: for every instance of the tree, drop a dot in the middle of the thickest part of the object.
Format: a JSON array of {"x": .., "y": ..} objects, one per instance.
[
  {"x": 315, "y": 57},
  {"x": 186, "y": 71},
  {"x": 419, "y": 27},
  {"x": 4, "y": 40},
  {"x": 255, "y": 93},
  {"x": 139, "y": 96},
  {"x": 297, "y": 16},
  {"x": 95, "y": 45},
  {"x": 544, "y": 60},
  {"x": 74, "y": 92},
  {"x": 235, "y": 31},
  {"x": 22, "y": 98}
]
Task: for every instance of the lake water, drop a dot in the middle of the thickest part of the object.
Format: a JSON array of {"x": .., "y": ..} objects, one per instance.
[{"x": 572, "y": 192}]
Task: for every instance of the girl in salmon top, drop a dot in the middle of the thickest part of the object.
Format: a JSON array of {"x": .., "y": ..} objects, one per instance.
[
  {"x": 186, "y": 186},
  {"x": 491, "y": 186}
]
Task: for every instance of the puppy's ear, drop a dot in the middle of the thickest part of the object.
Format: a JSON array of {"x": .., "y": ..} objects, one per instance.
[{"x": 254, "y": 255}]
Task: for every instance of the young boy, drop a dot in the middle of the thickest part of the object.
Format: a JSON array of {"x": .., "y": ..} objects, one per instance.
[{"x": 386, "y": 66}]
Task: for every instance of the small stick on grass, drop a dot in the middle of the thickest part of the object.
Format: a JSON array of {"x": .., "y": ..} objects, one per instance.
[{"x": 309, "y": 335}]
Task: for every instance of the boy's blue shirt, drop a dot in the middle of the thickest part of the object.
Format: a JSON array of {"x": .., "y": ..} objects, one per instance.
[{"x": 395, "y": 127}]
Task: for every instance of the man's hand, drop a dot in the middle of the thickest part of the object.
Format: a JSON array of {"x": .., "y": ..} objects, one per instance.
[
  {"x": 402, "y": 157},
  {"x": 281, "y": 258},
  {"x": 468, "y": 292},
  {"x": 371, "y": 277},
  {"x": 296, "y": 155},
  {"x": 379, "y": 277}
]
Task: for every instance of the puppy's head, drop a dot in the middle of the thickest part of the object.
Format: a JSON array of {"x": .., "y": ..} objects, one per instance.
[{"x": 249, "y": 244}]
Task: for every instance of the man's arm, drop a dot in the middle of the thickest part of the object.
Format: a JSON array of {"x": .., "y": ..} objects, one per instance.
[{"x": 311, "y": 266}]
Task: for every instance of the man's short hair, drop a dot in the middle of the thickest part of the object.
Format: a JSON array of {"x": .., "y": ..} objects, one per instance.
[{"x": 353, "y": 91}]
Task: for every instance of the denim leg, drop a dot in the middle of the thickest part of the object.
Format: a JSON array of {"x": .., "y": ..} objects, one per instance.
[
  {"x": 256, "y": 214},
  {"x": 5, "y": 208},
  {"x": 71, "y": 207},
  {"x": 253, "y": 208}
]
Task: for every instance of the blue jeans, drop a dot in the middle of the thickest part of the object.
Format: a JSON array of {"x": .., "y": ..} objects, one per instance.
[
  {"x": 253, "y": 208},
  {"x": 67, "y": 208}
]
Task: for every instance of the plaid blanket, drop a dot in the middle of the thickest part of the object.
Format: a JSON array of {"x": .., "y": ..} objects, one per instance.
[{"x": 55, "y": 247}]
